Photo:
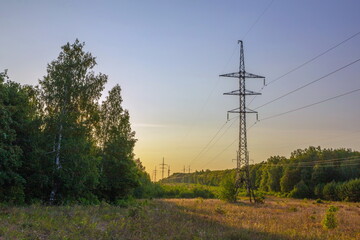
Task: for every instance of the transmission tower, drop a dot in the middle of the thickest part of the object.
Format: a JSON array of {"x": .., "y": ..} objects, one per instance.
[
  {"x": 242, "y": 158},
  {"x": 184, "y": 174},
  {"x": 162, "y": 167},
  {"x": 155, "y": 174}
]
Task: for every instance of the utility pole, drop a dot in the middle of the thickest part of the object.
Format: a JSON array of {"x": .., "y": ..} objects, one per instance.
[
  {"x": 184, "y": 174},
  {"x": 242, "y": 166},
  {"x": 189, "y": 174},
  {"x": 162, "y": 167},
  {"x": 155, "y": 174}
]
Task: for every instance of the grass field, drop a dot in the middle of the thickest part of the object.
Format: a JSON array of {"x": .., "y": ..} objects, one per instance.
[{"x": 179, "y": 219}]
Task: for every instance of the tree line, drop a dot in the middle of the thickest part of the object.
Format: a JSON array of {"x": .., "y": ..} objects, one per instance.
[
  {"x": 332, "y": 174},
  {"x": 59, "y": 144}
]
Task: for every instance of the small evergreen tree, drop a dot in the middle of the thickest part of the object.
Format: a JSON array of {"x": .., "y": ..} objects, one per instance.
[{"x": 228, "y": 188}]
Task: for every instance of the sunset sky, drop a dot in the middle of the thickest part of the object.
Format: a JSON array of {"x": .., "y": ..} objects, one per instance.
[{"x": 167, "y": 57}]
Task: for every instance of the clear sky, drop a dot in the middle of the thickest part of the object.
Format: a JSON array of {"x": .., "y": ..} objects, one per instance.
[{"x": 167, "y": 55}]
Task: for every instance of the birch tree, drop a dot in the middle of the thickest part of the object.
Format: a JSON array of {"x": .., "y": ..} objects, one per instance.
[
  {"x": 70, "y": 92},
  {"x": 119, "y": 172}
]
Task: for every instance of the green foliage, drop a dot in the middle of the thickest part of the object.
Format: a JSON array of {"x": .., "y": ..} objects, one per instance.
[
  {"x": 345, "y": 191},
  {"x": 70, "y": 92},
  {"x": 14, "y": 118},
  {"x": 259, "y": 197},
  {"x": 119, "y": 171},
  {"x": 301, "y": 190},
  {"x": 330, "y": 221},
  {"x": 210, "y": 178},
  {"x": 290, "y": 178},
  {"x": 318, "y": 190},
  {"x": 303, "y": 175},
  {"x": 146, "y": 188},
  {"x": 333, "y": 208},
  {"x": 185, "y": 191},
  {"x": 350, "y": 191},
  {"x": 331, "y": 191},
  {"x": 229, "y": 189},
  {"x": 57, "y": 143}
]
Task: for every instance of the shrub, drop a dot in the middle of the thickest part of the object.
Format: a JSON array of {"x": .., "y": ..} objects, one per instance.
[
  {"x": 318, "y": 190},
  {"x": 329, "y": 221},
  {"x": 301, "y": 190},
  {"x": 259, "y": 197},
  {"x": 228, "y": 188},
  {"x": 220, "y": 210},
  {"x": 331, "y": 191},
  {"x": 350, "y": 190},
  {"x": 203, "y": 192},
  {"x": 186, "y": 191},
  {"x": 333, "y": 208}
]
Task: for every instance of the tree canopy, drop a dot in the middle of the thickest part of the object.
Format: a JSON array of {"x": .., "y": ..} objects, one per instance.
[{"x": 58, "y": 144}]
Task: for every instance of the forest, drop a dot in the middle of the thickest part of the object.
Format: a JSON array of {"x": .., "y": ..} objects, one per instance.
[
  {"x": 59, "y": 145},
  {"x": 331, "y": 174}
]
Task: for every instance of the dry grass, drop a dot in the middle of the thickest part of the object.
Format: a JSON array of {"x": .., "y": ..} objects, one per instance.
[
  {"x": 182, "y": 219},
  {"x": 276, "y": 219}
]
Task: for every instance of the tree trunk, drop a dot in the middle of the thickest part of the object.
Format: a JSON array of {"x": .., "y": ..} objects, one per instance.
[{"x": 58, "y": 165}]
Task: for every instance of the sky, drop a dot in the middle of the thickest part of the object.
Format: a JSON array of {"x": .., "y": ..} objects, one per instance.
[{"x": 167, "y": 57}]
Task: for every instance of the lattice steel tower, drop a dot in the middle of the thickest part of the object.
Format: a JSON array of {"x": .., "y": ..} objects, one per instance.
[{"x": 242, "y": 159}]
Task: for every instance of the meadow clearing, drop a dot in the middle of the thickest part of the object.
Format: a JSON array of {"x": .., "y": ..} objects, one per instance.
[{"x": 278, "y": 218}]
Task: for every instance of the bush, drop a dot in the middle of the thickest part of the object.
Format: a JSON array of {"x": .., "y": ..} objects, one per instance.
[
  {"x": 318, "y": 190},
  {"x": 259, "y": 198},
  {"x": 350, "y": 190},
  {"x": 331, "y": 191},
  {"x": 329, "y": 221},
  {"x": 203, "y": 193},
  {"x": 301, "y": 190},
  {"x": 186, "y": 191},
  {"x": 228, "y": 189}
]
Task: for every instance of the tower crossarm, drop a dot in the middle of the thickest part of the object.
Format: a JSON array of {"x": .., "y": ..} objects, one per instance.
[
  {"x": 240, "y": 74},
  {"x": 237, "y": 110},
  {"x": 237, "y": 92}
]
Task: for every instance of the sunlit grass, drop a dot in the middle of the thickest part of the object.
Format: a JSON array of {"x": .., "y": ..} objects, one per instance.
[{"x": 198, "y": 218}]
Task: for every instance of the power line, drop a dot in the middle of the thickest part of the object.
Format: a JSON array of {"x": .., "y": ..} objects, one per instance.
[
  {"x": 207, "y": 145},
  {"x": 211, "y": 92},
  {"x": 280, "y": 114},
  {"x": 306, "y": 62},
  {"x": 232, "y": 143},
  {"x": 320, "y": 162},
  {"x": 220, "y": 153},
  {"x": 312, "y": 82},
  {"x": 247, "y": 32},
  {"x": 350, "y": 161},
  {"x": 290, "y": 111},
  {"x": 310, "y": 105},
  {"x": 218, "y": 139},
  {"x": 257, "y": 20},
  {"x": 313, "y": 59},
  {"x": 312, "y": 165},
  {"x": 203, "y": 149}
]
